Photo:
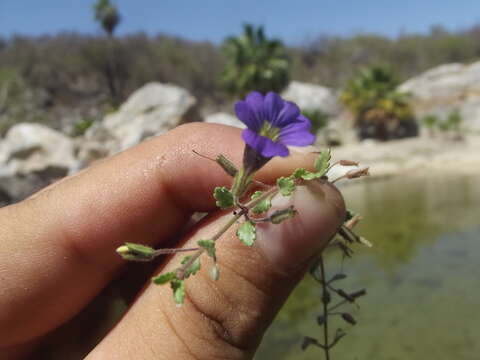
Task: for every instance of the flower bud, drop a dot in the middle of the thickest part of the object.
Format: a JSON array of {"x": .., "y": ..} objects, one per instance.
[
  {"x": 348, "y": 163},
  {"x": 281, "y": 215},
  {"x": 136, "y": 252},
  {"x": 353, "y": 174}
]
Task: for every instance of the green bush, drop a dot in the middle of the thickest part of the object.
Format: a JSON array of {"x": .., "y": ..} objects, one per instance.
[
  {"x": 18, "y": 101},
  {"x": 380, "y": 110},
  {"x": 253, "y": 62}
]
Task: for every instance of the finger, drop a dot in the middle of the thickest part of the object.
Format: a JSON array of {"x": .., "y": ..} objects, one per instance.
[
  {"x": 57, "y": 249},
  {"x": 226, "y": 319}
]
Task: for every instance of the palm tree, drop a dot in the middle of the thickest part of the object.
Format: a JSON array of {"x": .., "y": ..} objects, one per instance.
[
  {"x": 254, "y": 62},
  {"x": 106, "y": 61},
  {"x": 380, "y": 110},
  {"x": 107, "y": 15}
]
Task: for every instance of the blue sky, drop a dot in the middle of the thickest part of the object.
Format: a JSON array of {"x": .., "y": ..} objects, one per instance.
[{"x": 294, "y": 21}]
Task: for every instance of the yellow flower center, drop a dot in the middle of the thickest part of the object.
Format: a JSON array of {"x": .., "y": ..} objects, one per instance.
[{"x": 269, "y": 131}]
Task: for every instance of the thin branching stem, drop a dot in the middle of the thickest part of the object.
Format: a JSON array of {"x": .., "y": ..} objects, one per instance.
[
  {"x": 326, "y": 348},
  {"x": 182, "y": 270}
]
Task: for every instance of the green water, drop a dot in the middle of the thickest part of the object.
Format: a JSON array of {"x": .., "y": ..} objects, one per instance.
[{"x": 422, "y": 277}]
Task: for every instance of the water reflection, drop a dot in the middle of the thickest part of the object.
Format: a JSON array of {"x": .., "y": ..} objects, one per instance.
[{"x": 423, "y": 291}]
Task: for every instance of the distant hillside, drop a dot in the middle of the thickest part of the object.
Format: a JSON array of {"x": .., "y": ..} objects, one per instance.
[{"x": 70, "y": 68}]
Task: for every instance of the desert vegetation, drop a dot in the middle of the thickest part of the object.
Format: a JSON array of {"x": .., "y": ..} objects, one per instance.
[{"x": 90, "y": 74}]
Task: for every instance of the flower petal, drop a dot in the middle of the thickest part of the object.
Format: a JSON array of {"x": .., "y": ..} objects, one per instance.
[
  {"x": 287, "y": 115},
  {"x": 272, "y": 106},
  {"x": 255, "y": 101},
  {"x": 298, "y": 133},
  {"x": 264, "y": 146},
  {"x": 245, "y": 114}
]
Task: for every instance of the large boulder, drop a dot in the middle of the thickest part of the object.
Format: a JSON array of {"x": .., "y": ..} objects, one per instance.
[
  {"x": 151, "y": 110},
  {"x": 446, "y": 88},
  {"x": 312, "y": 97},
  {"x": 32, "y": 156}
]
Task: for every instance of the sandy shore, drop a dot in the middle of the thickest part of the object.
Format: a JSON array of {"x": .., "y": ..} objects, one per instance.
[{"x": 391, "y": 158}]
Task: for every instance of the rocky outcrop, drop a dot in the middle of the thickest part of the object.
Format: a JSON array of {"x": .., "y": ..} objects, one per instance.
[
  {"x": 312, "y": 97},
  {"x": 151, "y": 110},
  {"x": 32, "y": 156},
  {"x": 446, "y": 88}
]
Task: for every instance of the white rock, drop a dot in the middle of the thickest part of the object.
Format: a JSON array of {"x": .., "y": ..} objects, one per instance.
[
  {"x": 446, "y": 88},
  {"x": 224, "y": 119},
  {"x": 312, "y": 97},
  {"x": 153, "y": 109},
  {"x": 30, "y": 147}
]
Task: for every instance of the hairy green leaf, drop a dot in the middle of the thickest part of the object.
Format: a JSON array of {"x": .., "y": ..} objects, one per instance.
[
  {"x": 192, "y": 269},
  {"x": 322, "y": 162},
  {"x": 178, "y": 288},
  {"x": 209, "y": 246},
  {"x": 223, "y": 196},
  {"x": 263, "y": 205},
  {"x": 164, "y": 278},
  {"x": 286, "y": 185},
  {"x": 247, "y": 233}
]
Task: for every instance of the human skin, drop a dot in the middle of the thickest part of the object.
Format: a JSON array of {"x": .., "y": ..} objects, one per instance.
[{"x": 57, "y": 250}]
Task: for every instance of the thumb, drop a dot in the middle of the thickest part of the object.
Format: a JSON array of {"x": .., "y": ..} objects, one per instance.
[{"x": 226, "y": 319}]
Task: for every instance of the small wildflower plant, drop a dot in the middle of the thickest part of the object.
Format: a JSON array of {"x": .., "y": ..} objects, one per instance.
[{"x": 273, "y": 124}]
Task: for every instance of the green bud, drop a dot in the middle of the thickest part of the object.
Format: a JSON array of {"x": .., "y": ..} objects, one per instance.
[
  {"x": 226, "y": 165},
  {"x": 281, "y": 215},
  {"x": 136, "y": 252}
]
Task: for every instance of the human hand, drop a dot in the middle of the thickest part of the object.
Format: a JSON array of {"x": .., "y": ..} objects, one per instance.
[{"x": 57, "y": 250}]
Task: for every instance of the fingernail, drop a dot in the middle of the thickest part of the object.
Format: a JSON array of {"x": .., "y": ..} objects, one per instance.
[{"x": 292, "y": 243}]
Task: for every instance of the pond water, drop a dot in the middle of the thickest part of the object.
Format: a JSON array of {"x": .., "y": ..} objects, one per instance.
[{"x": 421, "y": 276}]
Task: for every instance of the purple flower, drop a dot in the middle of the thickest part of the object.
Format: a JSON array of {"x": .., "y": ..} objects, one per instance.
[{"x": 272, "y": 124}]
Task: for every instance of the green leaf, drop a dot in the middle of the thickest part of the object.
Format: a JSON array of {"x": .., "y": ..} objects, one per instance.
[
  {"x": 136, "y": 252},
  {"x": 286, "y": 185},
  {"x": 209, "y": 246},
  {"x": 178, "y": 287},
  {"x": 247, "y": 233},
  {"x": 306, "y": 175},
  {"x": 164, "y": 278},
  {"x": 223, "y": 196},
  {"x": 192, "y": 269},
  {"x": 322, "y": 162},
  {"x": 263, "y": 205},
  {"x": 299, "y": 173}
]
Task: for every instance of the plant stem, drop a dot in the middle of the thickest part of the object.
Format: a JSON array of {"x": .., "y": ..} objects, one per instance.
[
  {"x": 326, "y": 347},
  {"x": 173, "y": 251},
  {"x": 181, "y": 271}
]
